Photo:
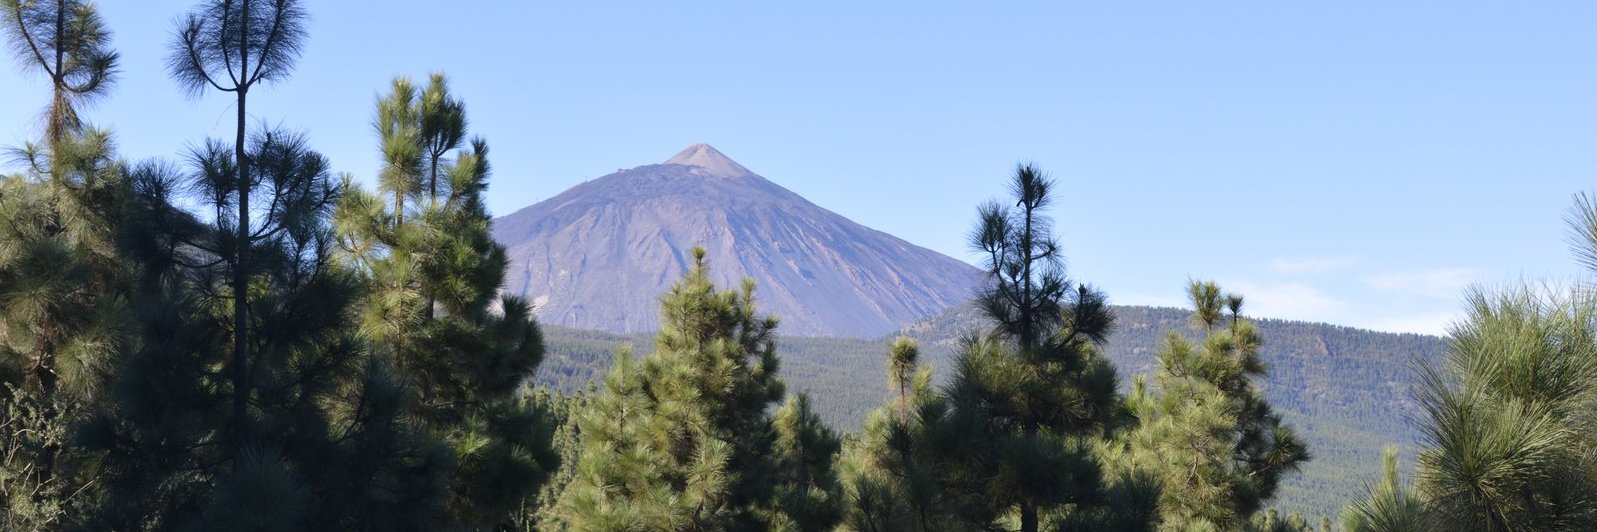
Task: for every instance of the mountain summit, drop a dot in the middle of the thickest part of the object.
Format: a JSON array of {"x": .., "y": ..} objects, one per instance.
[
  {"x": 711, "y": 161},
  {"x": 598, "y": 256}
]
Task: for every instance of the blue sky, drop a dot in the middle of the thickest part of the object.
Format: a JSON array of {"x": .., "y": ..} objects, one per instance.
[{"x": 1352, "y": 162}]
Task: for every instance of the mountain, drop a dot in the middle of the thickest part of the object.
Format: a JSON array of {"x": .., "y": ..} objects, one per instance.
[
  {"x": 1346, "y": 390},
  {"x": 599, "y": 255}
]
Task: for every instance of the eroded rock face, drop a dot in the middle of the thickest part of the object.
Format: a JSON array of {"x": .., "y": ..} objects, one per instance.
[{"x": 599, "y": 255}]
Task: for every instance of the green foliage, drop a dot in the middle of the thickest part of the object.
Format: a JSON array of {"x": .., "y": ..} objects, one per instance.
[
  {"x": 432, "y": 273},
  {"x": 1507, "y": 428},
  {"x": 806, "y": 486},
  {"x": 1207, "y": 437},
  {"x": 1008, "y": 439},
  {"x": 684, "y": 439},
  {"x": 329, "y": 358},
  {"x": 67, "y": 42},
  {"x": 1389, "y": 506},
  {"x": 1507, "y": 417},
  {"x": 1271, "y": 521},
  {"x": 34, "y": 433},
  {"x": 1510, "y": 440},
  {"x": 162, "y": 368},
  {"x": 542, "y": 512},
  {"x": 61, "y": 278},
  {"x": 232, "y": 46},
  {"x": 318, "y": 444},
  {"x": 63, "y": 289},
  {"x": 894, "y": 469},
  {"x": 1346, "y": 390},
  {"x": 1034, "y": 392}
]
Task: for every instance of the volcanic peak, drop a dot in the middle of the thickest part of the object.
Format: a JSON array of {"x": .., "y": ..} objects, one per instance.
[{"x": 709, "y": 161}]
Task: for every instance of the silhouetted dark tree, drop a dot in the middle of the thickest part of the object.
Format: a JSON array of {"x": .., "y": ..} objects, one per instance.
[
  {"x": 232, "y": 46},
  {"x": 1034, "y": 389}
]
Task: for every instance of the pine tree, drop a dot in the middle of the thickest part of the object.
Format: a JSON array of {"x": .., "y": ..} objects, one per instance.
[
  {"x": 63, "y": 290},
  {"x": 244, "y": 400},
  {"x": 1009, "y": 441},
  {"x": 60, "y": 274},
  {"x": 67, "y": 42},
  {"x": 1509, "y": 442},
  {"x": 683, "y": 439},
  {"x": 1389, "y": 506},
  {"x": 325, "y": 444},
  {"x": 903, "y": 357},
  {"x": 1271, "y": 521},
  {"x": 232, "y": 46},
  {"x": 443, "y": 127},
  {"x": 1033, "y": 393},
  {"x": 57, "y": 261},
  {"x": 806, "y": 488},
  {"x": 893, "y": 470},
  {"x": 1207, "y": 435},
  {"x": 433, "y": 306},
  {"x": 543, "y": 512},
  {"x": 62, "y": 281}
]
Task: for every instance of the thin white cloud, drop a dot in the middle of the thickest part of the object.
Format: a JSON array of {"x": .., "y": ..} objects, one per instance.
[
  {"x": 1304, "y": 302},
  {"x": 1444, "y": 283},
  {"x": 1287, "y": 301},
  {"x": 1335, "y": 290},
  {"x": 1310, "y": 265}
]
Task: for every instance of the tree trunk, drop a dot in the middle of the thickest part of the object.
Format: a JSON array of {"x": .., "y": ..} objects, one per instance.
[
  {"x": 241, "y": 386},
  {"x": 44, "y": 371},
  {"x": 58, "y": 82},
  {"x": 1028, "y": 517},
  {"x": 432, "y": 190},
  {"x": 44, "y": 361}
]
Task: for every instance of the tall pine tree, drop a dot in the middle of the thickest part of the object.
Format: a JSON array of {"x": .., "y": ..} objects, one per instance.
[
  {"x": 1009, "y": 441},
  {"x": 58, "y": 265},
  {"x": 232, "y": 46},
  {"x": 1033, "y": 393},
  {"x": 62, "y": 280},
  {"x": 323, "y": 444},
  {"x": 433, "y": 307},
  {"x": 244, "y": 400}
]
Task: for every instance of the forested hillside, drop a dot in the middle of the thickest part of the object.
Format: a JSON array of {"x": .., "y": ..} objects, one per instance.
[{"x": 1347, "y": 390}]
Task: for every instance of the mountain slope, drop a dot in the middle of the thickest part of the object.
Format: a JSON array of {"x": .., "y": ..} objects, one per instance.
[{"x": 599, "y": 255}]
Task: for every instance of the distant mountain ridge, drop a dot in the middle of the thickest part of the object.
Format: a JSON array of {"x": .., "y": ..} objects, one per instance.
[{"x": 599, "y": 255}]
